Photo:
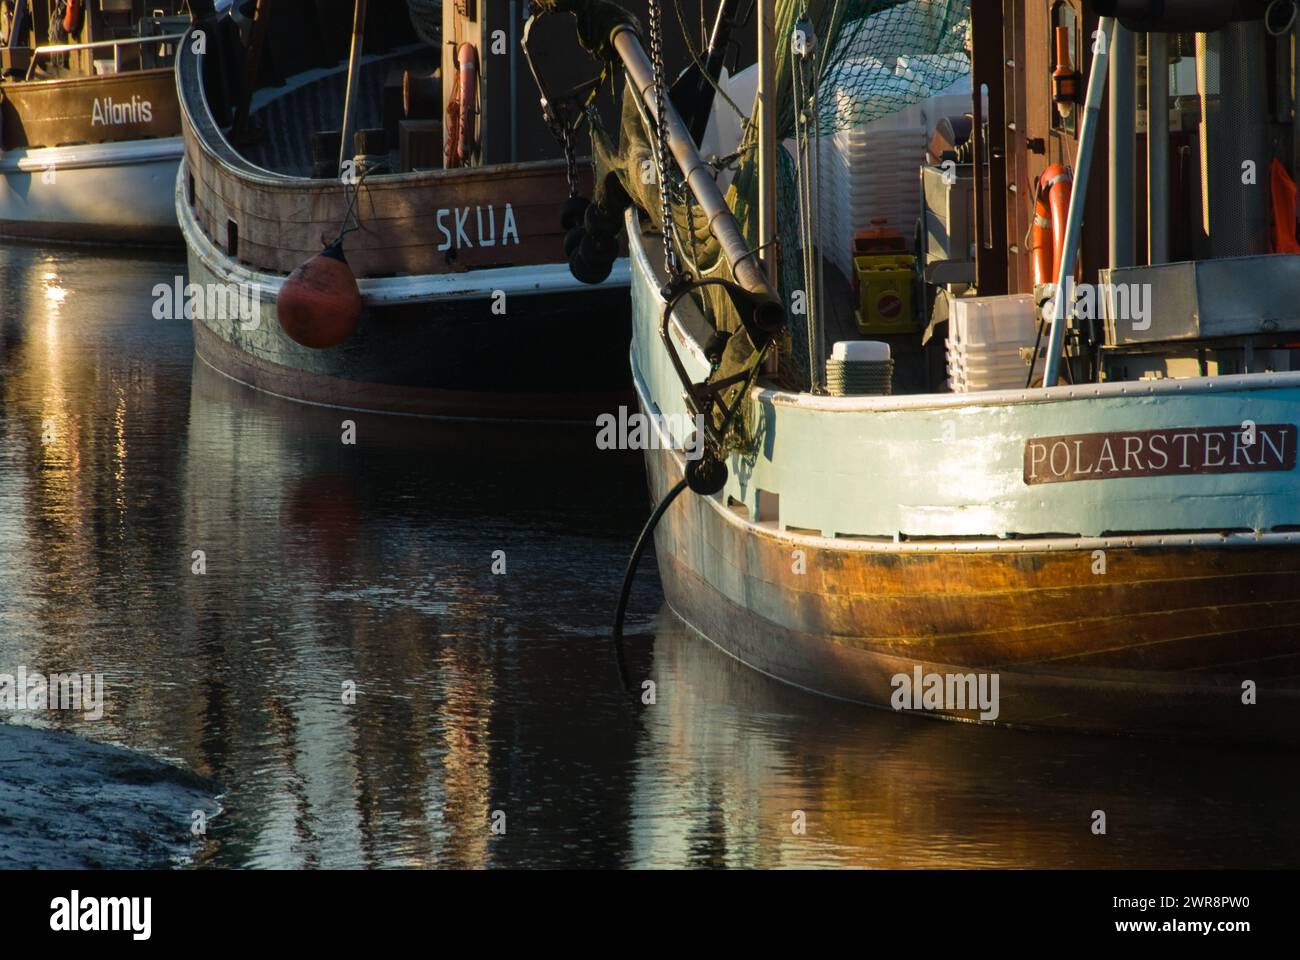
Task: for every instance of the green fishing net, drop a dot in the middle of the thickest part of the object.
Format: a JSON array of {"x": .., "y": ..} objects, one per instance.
[
  {"x": 873, "y": 57},
  {"x": 889, "y": 55},
  {"x": 877, "y": 58}
]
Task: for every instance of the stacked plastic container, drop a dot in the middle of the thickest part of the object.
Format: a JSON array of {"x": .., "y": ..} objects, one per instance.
[
  {"x": 872, "y": 171},
  {"x": 985, "y": 335}
]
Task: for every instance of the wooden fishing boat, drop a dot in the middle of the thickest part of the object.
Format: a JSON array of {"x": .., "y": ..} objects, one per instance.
[
  {"x": 89, "y": 126},
  {"x": 1115, "y": 552},
  {"x": 468, "y": 306}
]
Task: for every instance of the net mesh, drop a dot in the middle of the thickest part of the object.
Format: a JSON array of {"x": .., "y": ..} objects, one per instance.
[
  {"x": 876, "y": 57},
  {"x": 889, "y": 55}
]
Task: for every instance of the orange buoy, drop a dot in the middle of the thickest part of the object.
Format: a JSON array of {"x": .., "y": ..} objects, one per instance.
[{"x": 319, "y": 305}]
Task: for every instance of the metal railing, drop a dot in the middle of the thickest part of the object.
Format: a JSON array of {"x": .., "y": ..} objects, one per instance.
[{"x": 115, "y": 45}]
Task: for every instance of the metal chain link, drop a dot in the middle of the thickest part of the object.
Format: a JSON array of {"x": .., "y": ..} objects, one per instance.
[
  {"x": 570, "y": 161},
  {"x": 671, "y": 262}
]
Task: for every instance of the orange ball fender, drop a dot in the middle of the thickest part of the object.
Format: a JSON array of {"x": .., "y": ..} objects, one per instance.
[{"x": 319, "y": 305}]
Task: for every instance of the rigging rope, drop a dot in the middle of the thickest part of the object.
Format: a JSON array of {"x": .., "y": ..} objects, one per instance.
[{"x": 806, "y": 84}]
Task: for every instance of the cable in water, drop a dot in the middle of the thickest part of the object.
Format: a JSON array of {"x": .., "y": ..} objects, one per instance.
[{"x": 647, "y": 533}]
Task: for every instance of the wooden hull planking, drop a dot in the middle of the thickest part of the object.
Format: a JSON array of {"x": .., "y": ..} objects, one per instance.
[
  {"x": 1161, "y": 645},
  {"x": 470, "y": 312}
]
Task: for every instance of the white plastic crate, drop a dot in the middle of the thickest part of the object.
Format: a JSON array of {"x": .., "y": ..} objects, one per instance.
[
  {"x": 1010, "y": 378},
  {"x": 986, "y": 323},
  {"x": 973, "y": 383},
  {"x": 870, "y": 173},
  {"x": 986, "y": 365},
  {"x": 985, "y": 335},
  {"x": 1011, "y": 373}
]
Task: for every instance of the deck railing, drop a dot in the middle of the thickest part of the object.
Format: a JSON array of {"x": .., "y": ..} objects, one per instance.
[{"x": 115, "y": 45}]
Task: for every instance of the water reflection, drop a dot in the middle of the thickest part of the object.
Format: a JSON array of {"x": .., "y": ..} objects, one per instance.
[
  {"x": 480, "y": 697},
  {"x": 729, "y": 756},
  {"x": 373, "y": 566}
]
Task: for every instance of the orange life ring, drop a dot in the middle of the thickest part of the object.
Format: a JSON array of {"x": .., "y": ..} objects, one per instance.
[
  {"x": 462, "y": 109},
  {"x": 1047, "y": 233}
]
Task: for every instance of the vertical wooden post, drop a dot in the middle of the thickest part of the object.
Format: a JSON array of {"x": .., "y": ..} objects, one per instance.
[
  {"x": 354, "y": 78},
  {"x": 1078, "y": 199},
  {"x": 990, "y": 212},
  {"x": 767, "y": 145}
]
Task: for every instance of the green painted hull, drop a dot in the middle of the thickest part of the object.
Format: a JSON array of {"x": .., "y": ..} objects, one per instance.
[{"x": 860, "y": 539}]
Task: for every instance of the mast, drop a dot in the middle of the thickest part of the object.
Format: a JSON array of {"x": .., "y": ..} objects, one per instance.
[
  {"x": 1158, "y": 148},
  {"x": 766, "y": 113},
  {"x": 1102, "y": 42},
  {"x": 1123, "y": 158},
  {"x": 694, "y": 91},
  {"x": 354, "y": 77}
]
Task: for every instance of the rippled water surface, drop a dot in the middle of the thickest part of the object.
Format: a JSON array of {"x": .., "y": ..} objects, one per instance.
[{"x": 476, "y": 692}]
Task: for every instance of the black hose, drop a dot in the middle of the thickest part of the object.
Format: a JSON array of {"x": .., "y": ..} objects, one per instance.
[
  {"x": 646, "y": 533},
  {"x": 1033, "y": 359}
]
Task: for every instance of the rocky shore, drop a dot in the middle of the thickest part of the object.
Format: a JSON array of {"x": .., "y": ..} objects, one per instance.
[{"x": 68, "y": 803}]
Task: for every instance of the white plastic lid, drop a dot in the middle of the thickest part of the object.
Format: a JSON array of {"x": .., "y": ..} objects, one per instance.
[{"x": 860, "y": 351}]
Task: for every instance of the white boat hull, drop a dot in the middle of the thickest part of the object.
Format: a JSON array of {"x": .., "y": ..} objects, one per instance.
[{"x": 107, "y": 193}]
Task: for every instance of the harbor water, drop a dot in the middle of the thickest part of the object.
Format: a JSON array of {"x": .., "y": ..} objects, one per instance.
[{"x": 395, "y": 652}]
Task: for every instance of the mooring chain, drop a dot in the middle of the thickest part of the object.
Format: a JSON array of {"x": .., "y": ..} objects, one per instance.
[
  {"x": 671, "y": 262},
  {"x": 570, "y": 158}
]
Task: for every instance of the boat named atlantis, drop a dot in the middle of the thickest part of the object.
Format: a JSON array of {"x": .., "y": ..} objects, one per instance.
[{"x": 106, "y": 111}]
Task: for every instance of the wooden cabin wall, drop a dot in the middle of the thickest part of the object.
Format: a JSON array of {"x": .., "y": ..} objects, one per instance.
[
  {"x": 562, "y": 63},
  {"x": 496, "y": 29},
  {"x": 313, "y": 34},
  {"x": 1014, "y": 53},
  {"x": 988, "y": 80},
  {"x": 1014, "y": 57}
]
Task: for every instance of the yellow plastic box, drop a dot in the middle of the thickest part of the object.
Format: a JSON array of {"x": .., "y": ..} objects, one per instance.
[{"x": 885, "y": 284}]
